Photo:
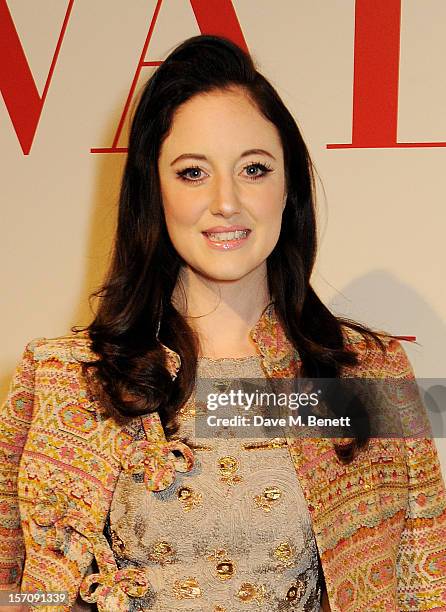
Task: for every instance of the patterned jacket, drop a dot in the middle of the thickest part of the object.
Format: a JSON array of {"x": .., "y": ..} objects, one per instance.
[{"x": 379, "y": 522}]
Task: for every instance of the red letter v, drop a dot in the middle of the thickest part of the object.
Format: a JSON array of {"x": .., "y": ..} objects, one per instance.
[{"x": 16, "y": 80}]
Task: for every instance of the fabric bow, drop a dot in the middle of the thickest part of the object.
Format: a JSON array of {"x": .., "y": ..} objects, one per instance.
[
  {"x": 157, "y": 462},
  {"x": 111, "y": 588}
]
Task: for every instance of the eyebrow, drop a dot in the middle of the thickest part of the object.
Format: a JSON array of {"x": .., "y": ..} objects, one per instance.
[{"x": 203, "y": 157}]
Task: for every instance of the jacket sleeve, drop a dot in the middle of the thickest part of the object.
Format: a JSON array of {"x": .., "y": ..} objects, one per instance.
[
  {"x": 15, "y": 419},
  {"x": 421, "y": 561}
]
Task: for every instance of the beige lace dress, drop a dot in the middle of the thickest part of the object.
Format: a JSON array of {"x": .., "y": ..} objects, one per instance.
[{"x": 232, "y": 534}]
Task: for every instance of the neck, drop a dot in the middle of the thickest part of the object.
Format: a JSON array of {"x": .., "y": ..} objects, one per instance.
[{"x": 222, "y": 313}]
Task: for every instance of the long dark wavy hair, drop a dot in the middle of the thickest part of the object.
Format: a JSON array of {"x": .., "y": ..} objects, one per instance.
[{"x": 135, "y": 314}]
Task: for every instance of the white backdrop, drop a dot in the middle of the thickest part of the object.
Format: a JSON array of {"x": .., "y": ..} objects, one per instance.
[{"x": 382, "y": 213}]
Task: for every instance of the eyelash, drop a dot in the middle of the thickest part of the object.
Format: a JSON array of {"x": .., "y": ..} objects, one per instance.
[{"x": 265, "y": 169}]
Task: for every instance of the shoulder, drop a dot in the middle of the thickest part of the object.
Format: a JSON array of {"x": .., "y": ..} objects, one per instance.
[
  {"x": 70, "y": 348},
  {"x": 381, "y": 358}
]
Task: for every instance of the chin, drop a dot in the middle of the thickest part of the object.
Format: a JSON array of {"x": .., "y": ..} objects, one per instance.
[{"x": 225, "y": 273}]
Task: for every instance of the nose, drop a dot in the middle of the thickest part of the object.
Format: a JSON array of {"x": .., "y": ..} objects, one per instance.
[{"x": 225, "y": 199}]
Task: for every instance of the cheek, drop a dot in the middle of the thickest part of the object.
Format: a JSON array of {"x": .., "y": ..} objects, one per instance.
[
  {"x": 179, "y": 209},
  {"x": 269, "y": 220},
  {"x": 270, "y": 207},
  {"x": 271, "y": 196}
]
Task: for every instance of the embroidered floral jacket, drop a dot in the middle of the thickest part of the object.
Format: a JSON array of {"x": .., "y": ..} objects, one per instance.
[{"x": 379, "y": 522}]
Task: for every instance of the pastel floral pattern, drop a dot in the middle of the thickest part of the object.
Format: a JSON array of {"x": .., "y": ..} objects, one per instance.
[
  {"x": 54, "y": 513},
  {"x": 78, "y": 419}
]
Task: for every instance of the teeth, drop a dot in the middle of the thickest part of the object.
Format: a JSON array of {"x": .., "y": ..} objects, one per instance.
[{"x": 220, "y": 236}]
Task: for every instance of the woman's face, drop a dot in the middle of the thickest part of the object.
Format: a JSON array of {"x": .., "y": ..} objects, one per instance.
[{"x": 223, "y": 185}]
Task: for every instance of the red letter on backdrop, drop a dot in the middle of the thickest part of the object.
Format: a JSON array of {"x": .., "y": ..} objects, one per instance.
[
  {"x": 376, "y": 77},
  {"x": 376, "y": 72},
  {"x": 16, "y": 80},
  {"x": 213, "y": 17}
]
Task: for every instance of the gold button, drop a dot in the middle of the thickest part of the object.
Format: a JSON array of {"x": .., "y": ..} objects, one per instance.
[
  {"x": 272, "y": 493},
  {"x": 296, "y": 590},
  {"x": 189, "y": 498},
  {"x": 246, "y": 592},
  {"x": 162, "y": 548},
  {"x": 184, "y": 492},
  {"x": 227, "y": 465},
  {"x": 187, "y": 589},
  {"x": 292, "y": 594},
  {"x": 267, "y": 498},
  {"x": 225, "y": 569},
  {"x": 283, "y": 551},
  {"x": 162, "y": 552}
]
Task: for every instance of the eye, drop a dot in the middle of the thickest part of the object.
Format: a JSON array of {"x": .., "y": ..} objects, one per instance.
[
  {"x": 256, "y": 170},
  {"x": 192, "y": 174}
]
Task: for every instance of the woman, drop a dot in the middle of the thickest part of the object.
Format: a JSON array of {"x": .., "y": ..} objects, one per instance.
[{"x": 113, "y": 501}]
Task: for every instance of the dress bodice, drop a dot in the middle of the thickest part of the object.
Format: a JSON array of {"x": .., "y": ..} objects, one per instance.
[{"x": 231, "y": 534}]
